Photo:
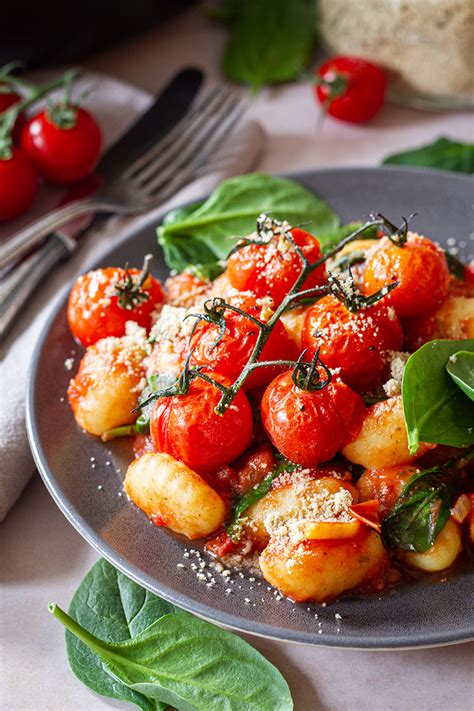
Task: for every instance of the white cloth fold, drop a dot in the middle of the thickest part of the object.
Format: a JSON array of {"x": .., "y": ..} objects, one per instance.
[{"x": 238, "y": 155}]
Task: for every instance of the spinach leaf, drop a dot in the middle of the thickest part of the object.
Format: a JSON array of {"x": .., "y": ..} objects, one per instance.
[
  {"x": 271, "y": 41},
  {"x": 234, "y": 525},
  {"x": 420, "y": 512},
  {"x": 109, "y": 604},
  {"x": 435, "y": 408},
  {"x": 461, "y": 369},
  {"x": 207, "y": 234},
  {"x": 190, "y": 664},
  {"x": 443, "y": 154}
]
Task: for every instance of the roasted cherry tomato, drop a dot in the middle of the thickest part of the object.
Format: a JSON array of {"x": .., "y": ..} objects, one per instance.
[
  {"x": 420, "y": 268},
  {"x": 18, "y": 184},
  {"x": 10, "y": 98},
  {"x": 310, "y": 426},
  {"x": 351, "y": 88},
  {"x": 233, "y": 350},
  {"x": 355, "y": 343},
  {"x": 271, "y": 269},
  {"x": 102, "y": 301},
  {"x": 64, "y": 150},
  {"x": 187, "y": 427}
]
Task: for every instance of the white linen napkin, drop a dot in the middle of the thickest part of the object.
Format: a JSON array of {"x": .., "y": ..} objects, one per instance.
[{"x": 238, "y": 155}]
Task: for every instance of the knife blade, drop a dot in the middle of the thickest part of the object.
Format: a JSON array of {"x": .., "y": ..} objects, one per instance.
[{"x": 170, "y": 105}]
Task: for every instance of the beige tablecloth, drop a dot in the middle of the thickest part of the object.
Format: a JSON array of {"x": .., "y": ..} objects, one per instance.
[{"x": 43, "y": 558}]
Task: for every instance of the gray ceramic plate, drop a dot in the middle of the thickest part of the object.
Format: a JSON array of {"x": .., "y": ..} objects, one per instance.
[{"x": 84, "y": 476}]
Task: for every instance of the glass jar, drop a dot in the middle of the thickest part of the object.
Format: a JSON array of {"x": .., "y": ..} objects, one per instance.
[{"x": 425, "y": 46}]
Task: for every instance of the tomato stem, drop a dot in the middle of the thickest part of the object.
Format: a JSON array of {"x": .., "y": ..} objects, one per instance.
[{"x": 306, "y": 375}]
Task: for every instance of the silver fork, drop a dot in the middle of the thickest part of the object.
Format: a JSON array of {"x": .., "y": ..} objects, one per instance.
[
  {"x": 151, "y": 179},
  {"x": 183, "y": 154}
]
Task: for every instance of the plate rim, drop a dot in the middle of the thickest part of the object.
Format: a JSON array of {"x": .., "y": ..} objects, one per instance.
[{"x": 228, "y": 620}]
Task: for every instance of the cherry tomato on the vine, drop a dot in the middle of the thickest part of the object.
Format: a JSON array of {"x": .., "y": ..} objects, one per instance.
[
  {"x": 354, "y": 342},
  {"x": 233, "y": 350},
  {"x": 187, "y": 427},
  {"x": 419, "y": 266},
  {"x": 63, "y": 151},
  {"x": 350, "y": 88},
  {"x": 102, "y": 301},
  {"x": 18, "y": 184},
  {"x": 310, "y": 426},
  {"x": 271, "y": 269}
]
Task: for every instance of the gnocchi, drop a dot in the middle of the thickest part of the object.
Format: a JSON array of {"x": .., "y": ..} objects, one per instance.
[
  {"x": 441, "y": 555},
  {"x": 105, "y": 390},
  {"x": 322, "y": 570},
  {"x": 174, "y": 496},
  {"x": 382, "y": 440}
]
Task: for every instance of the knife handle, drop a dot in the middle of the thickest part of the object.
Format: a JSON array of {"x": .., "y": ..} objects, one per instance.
[{"x": 18, "y": 286}]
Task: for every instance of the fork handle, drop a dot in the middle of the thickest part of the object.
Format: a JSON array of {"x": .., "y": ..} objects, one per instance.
[
  {"x": 18, "y": 286},
  {"x": 21, "y": 242}
]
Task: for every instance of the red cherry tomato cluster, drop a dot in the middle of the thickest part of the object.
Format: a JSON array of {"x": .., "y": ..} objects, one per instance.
[
  {"x": 350, "y": 89},
  {"x": 60, "y": 144},
  {"x": 308, "y": 407}
]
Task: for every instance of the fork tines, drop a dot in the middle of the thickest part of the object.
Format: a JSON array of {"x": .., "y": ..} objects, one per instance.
[{"x": 177, "y": 157}]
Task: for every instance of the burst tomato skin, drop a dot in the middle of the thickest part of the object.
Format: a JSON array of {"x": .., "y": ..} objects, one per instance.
[
  {"x": 235, "y": 347},
  {"x": 18, "y": 185},
  {"x": 419, "y": 266},
  {"x": 187, "y": 427},
  {"x": 272, "y": 269},
  {"x": 363, "y": 94},
  {"x": 94, "y": 312},
  {"x": 62, "y": 155},
  {"x": 355, "y": 343},
  {"x": 310, "y": 427}
]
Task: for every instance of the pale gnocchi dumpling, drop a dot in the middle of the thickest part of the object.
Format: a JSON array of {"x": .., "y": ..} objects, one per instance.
[
  {"x": 443, "y": 552},
  {"x": 382, "y": 440},
  {"x": 455, "y": 317},
  {"x": 106, "y": 388},
  {"x": 290, "y": 503},
  {"x": 322, "y": 570},
  {"x": 174, "y": 495}
]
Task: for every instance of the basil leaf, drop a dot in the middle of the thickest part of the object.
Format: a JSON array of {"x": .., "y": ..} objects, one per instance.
[
  {"x": 461, "y": 369},
  {"x": 112, "y": 606},
  {"x": 443, "y": 154},
  {"x": 435, "y": 408},
  {"x": 271, "y": 41},
  {"x": 234, "y": 525},
  {"x": 190, "y": 664},
  {"x": 208, "y": 233},
  {"x": 420, "y": 512}
]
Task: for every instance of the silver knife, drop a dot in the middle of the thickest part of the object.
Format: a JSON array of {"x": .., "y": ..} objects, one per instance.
[{"x": 167, "y": 109}]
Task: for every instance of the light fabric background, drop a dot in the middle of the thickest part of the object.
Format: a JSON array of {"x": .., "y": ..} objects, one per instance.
[{"x": 43, "y": 558}]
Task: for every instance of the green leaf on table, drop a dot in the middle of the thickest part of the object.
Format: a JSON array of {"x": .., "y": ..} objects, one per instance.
[
  {"x": 420, "y": 512},
  {"x": 271, "y": 41},
  {"x": 461, "y": 369},
  {"x": 435, "y": 408},
  {"x": 206, "y": 234},
  {"x": 234, "y": 525},
  {"x": 190, "y": 664},
  {"x": 110, "y": 605},
  {"x": 443, "y": 154}
]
